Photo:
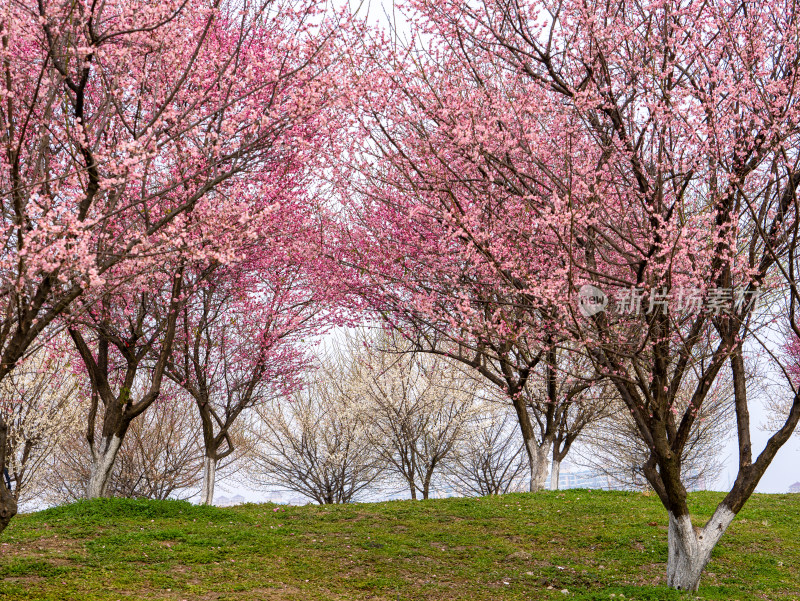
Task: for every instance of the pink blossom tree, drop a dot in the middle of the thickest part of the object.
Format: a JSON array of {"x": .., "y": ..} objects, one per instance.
[
  {"x": 649, "y": 151},
  {"x": 133, "y": 341},
  {"x": 240, "y": 344},
  {"x": 404, "y": 259},
  {"x": 121, "y": 119}
]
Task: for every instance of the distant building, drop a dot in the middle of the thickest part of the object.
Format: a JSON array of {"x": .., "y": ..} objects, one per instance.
[
  {"x": 795, "y": 487},
  {"x": 226, "y": 502},
  {"x": 275, "y": 497},
  {"x": 443, "y": 493},
  {"x": 575, "y": 477}
]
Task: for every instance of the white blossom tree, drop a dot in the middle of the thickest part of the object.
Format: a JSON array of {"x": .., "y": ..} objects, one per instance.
[
  {"x": 420, "y": 405},
  {"x": 317, "y": 442},
  {"x": 38, "y": 402}
]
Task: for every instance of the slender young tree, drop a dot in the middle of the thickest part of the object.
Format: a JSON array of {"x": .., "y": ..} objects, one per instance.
[{"x": 239, "y": 346}]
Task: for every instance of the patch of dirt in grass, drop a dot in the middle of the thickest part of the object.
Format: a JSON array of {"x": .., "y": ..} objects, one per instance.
[
  {"x": 52, "y": 547},
  {"x": 446, "y": 519},
  {"x": 465, "y": 548},
  {"x": 268, "y": 594},
  {"x": 517, "y": 539},
  {"x": 185, "y": 574},
  {"x": 282, "y": 592},
  {"x": 358, "y": 517},
  {"x": 518, "y": 555},
  {"x": 652, "y": 574},
  {"x": 24, "y": 579},
  {"x": 278, "y": 592}
]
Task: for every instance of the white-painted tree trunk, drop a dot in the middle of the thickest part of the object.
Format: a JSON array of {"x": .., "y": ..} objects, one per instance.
[
  {"x": 102, "y": 463},
  {"x": 555, "y": 473},
  {"x": 209, "y": 478},
  {"x": 689, "y": 548},
  {"x": 537, "y": 461}
]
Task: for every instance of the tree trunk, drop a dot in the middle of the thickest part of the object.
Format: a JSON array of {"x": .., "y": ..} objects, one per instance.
[
  {"x": 555, "y": 473},
  {"x": 8, "y": 506},
  {"x": 426, "y": 485},
  {"x": 209, "y": 478},
  {"x": 537, "y": 463},
  {"x": 102, "y": 464},
  {"x": 537, "y": 453},
  {"x": 689, "y": 548},
  {"x": 542, "y": 463}
]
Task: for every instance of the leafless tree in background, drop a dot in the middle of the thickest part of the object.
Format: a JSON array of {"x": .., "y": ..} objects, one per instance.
[
  {"x": 420, "y": 405},
  {"x": 318, "y": 442},
  {"x": 613, "y": 446},
  {"x": 491, "y": 458},
  {"x": 547, "y": 385}
]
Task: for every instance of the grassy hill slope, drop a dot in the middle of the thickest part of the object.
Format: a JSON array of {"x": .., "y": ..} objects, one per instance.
[{"x": 552, "y": 545}]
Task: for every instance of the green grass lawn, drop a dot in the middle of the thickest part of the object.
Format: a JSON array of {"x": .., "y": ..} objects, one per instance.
[{"x": 591, "y": 544}]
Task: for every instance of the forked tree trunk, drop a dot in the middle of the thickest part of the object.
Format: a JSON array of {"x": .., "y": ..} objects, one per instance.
[
  {"x": 555, "y": 473},
  {"x": 537, "y": 463},
  {"x": 102, "y": 463},
  {"x": 209, "y": 478},
  {"x": 689, "y": 548}
]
